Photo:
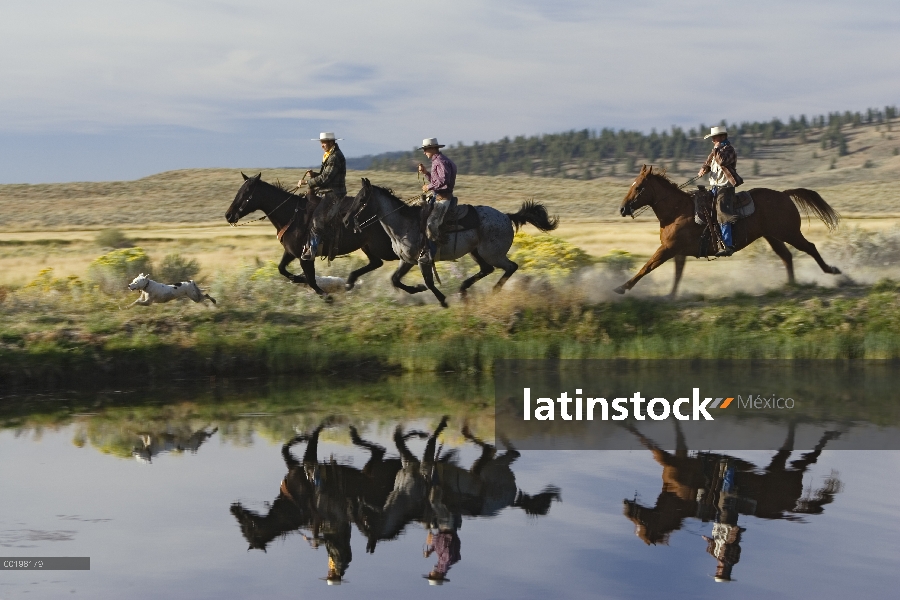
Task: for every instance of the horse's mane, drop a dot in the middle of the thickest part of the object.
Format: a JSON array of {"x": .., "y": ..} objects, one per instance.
[
  {"x": 407, "y": 209},
  {"x": 283, "y": 187},
  {"x": 662, "y": 177}
]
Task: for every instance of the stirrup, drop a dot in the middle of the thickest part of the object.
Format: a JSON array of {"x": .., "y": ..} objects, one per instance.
[{"x": 726, "y": 251}]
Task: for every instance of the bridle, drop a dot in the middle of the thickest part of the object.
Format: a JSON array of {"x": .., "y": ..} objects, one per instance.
[
  {"x": 357, "y": 226},
  {"x": 290, "y": 194},
  {"x": 628, "y": 205}
]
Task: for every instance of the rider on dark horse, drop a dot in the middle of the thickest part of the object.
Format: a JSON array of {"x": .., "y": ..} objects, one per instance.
[
  {"x": 328, "y": 188},
  {"x": 723, "y": 178},
  {"x": 439, "y": 184}
]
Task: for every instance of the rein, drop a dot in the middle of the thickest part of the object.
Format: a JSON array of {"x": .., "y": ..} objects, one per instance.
[
  {"x": 375, "y": 218},
  {"x": 265, "y": 215},
  {"x": 689, "y": 182}
]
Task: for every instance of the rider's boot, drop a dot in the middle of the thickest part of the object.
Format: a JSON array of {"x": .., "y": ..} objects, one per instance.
[
  {"x": 309, "y": 251},
  {"x": 727, "y": 240}
]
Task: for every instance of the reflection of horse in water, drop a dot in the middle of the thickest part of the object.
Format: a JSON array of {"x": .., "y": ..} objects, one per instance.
[
  {"x": 385, "y": 496},
  {"x": 322, "y": 497},
  {"x": 182, "y": 440},
  {"x": 435, "y": 490},
  {"x": 718, "y": 487}
]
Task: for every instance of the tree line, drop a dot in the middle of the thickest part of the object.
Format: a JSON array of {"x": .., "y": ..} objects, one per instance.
[{"x": 589, "y": 153}]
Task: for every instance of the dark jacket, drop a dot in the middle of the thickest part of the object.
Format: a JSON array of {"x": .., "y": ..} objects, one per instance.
[{"x": 333, "y": 174}]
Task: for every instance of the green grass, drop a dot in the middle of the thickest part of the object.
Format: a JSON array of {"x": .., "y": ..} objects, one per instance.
[{"x": 65, "y": 329}]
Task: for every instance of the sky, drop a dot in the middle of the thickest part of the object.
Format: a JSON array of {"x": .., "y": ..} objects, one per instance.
[{"x": 108, "y": 89}]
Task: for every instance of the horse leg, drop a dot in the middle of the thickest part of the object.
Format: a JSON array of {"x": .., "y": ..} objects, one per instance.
[
  {"x": 396, "y": 278},
  {"x": 377, "y": 452},
  {"x": 809, "y": 458},
  {"x": 662, "y": 254},
  {"x": 782, "y": 251},
  {"x": 428, "y": 276},
  {"x": 679, "y": 270},
  {"x": 286, "y": 259},
  {"x": 488, "y": 452},
  {"x": 309, "y": 272},
  {"x": 428, "y": 456},
  {"x": 799, "y": 242},
  {"x": 406, "y": 456},
  {"x": 484, "y": 270},
  {"x": 374, "y": 263},
  {"x": 509, "y": 267}
]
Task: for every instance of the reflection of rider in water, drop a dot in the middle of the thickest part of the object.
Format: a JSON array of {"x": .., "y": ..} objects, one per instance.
[
  {"x": 446, "y": 544},
  {"x": 330, "y": 523},
  {"x": 725, "y": 543}
]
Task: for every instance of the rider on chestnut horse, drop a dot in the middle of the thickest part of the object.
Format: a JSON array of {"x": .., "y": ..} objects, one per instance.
[{"x": 723, "y": 178}]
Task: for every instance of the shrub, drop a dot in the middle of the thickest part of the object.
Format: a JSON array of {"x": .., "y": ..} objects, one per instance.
[
  {"x": 115, "y": 270},
  {"x": 46, "y": 282},
  {"x": 617, "y": 260},
  {"x": 175, "y": 268},
  {"x": 547, "y": 255},
  {"x": 112, "y": 238}
]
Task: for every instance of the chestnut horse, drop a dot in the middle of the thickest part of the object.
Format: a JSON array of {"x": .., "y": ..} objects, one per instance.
[{"x": 776, "y": 219}]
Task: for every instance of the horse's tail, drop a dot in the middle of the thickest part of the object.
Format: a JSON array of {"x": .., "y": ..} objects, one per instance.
[
  {"x": 812, "y": 201},
  {"x": 536, "y": 214}
]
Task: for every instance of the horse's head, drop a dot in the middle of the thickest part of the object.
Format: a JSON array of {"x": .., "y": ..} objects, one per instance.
[
  {"x": 646, "y": 525},
  {"x": 244, "y": 203},
  {"x": 358, "y": 205},
  {"x": 637, "y": 196},
  {"x": 284, "y": 516},
  {"x": 139, "y": 283}
]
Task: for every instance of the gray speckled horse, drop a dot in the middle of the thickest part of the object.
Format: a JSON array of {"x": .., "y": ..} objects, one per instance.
[{"x": 488, "y": 244}]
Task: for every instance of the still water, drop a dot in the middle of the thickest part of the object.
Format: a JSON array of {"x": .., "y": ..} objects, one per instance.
[{"x": 300, "y": 489}]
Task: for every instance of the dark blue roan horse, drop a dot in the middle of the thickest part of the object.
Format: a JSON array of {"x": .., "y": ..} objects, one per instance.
[{"x": 286, "y": 213}]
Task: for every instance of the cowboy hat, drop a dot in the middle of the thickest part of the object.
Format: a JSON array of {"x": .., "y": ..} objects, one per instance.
[
  {"x": 430, "y": 143},
  {"x": 327, "y": 136},
  {"x": 716, "y": 131}
]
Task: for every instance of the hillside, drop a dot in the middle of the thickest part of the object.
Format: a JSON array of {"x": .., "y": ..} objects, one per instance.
[
  {"x": 588, "y": 154},
  {"x": 861, "y": 182}
]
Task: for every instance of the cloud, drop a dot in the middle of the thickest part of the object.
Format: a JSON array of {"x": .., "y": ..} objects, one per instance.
[{"x": 387, "y": 74}]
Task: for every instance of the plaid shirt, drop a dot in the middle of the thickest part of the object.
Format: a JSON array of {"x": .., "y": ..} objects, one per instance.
[
  {"x": 442, "y": 178},
  {"x": 333, "y": 174},
  {"x": 725, "y": 157}
]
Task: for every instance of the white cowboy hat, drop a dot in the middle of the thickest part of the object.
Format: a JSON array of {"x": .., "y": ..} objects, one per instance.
[
  {"x": 716, "y": 131},
  {"x": 430, "y": 143},
  {"x": 327, "y": 136}
]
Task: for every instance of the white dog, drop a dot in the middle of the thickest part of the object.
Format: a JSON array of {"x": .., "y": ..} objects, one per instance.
[{"x": 151, "y": 291}]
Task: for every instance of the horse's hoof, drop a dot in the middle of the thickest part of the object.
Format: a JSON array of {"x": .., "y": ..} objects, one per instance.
[
  {"x": 328, "y": 298},
  {"x": 620, "y": 289},
  {"x": 835, "y": 271},
  {"x": 444, "y": 304},
  {"x": 348, "y": 286}
]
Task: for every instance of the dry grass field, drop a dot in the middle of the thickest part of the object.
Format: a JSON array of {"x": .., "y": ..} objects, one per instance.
[
  {"x": 54, "y": 225},
  {"x": 67, "y": 322}
]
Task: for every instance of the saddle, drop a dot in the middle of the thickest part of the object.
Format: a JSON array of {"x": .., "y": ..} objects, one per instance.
[
  {"x": 726, "y": 212},
  {"x": 463, "y": 218},
  {"x": 711, "y": 212}
]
